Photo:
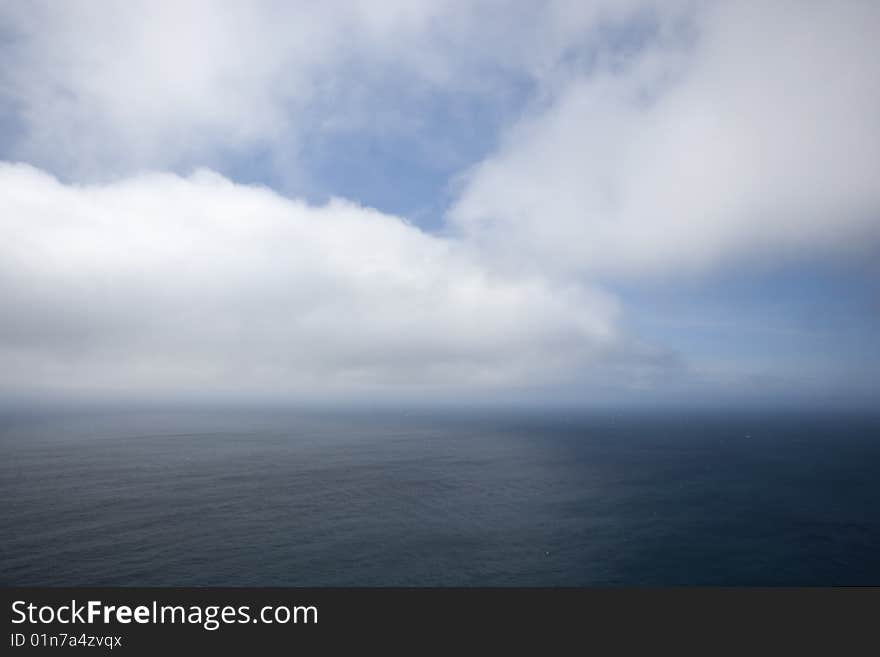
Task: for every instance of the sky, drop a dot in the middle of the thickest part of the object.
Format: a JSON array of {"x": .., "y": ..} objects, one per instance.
[{"x": 583, "y": 202}]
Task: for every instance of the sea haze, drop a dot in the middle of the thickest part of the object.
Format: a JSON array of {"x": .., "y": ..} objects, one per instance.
[{"x": 439, "y": 498}]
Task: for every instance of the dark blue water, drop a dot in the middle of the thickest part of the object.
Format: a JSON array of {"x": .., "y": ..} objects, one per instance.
[{"x": 438, "y": 498}]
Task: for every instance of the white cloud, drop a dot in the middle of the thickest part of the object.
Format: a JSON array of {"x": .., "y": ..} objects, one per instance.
[
  {"x": 658, "y": 137},
  {"x": 760, "y": 138},
  {"x": 106, "y": 89},
  {"x": 101, "y": 90},
  {"x": 160, "y": 284}
]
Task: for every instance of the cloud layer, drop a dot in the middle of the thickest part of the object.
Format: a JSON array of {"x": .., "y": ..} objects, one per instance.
[
  {"x": 628, "y": 141},
  {"x": 757, "y": 133},
  {"x": 162, "y": 283},
  {"x": 97, "y": 90}
]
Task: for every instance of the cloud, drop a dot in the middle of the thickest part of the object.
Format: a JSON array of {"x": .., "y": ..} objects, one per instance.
[
  {"x": 161, "y": 284},
  {"x": 96, "y": 91},
  {"x": 626, "y": 140},
  {"x": 752, "y": 134},
  {"x": 100, "y": 90}
]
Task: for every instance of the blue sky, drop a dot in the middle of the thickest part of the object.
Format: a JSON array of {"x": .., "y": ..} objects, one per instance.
[{"x": 593, "y": 202}]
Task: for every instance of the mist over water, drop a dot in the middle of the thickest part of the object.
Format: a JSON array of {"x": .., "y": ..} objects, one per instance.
[{"x": 438, "y": 498}]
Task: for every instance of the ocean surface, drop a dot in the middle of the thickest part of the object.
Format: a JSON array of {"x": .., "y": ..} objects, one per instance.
[{"x": 439, "y": 498}]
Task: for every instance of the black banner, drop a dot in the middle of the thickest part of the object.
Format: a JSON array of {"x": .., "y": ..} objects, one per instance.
[{"x": 183, "y": 620}]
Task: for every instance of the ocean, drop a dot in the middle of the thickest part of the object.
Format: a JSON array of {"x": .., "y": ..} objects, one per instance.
[{"x": 425, "y": 498}]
